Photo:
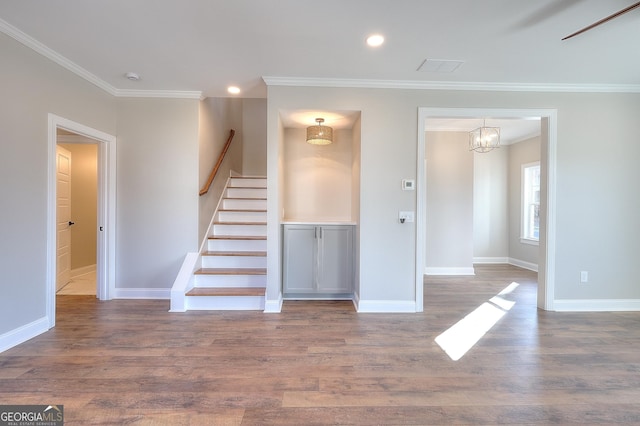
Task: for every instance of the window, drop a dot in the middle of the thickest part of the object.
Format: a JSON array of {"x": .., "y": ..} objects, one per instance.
[{"x": 531, "y": 202}]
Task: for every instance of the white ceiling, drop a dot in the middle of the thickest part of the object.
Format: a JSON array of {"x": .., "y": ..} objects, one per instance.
[{"x": 203, "y": 46}]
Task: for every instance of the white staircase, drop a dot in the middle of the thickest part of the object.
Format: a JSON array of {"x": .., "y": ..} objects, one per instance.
[{"x": 230, "y": 273}]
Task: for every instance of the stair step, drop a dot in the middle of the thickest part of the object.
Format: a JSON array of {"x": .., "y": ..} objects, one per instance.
[
  {"x": 231, "y": 271},
  {"x": 243, "y": 182},
  {"x": 244, "y": 192},
  {"x": 251, "y": 204},
  {"x": 234, "y": 253},
  {"x": 226, "y": 291},
  {"x": 237, "y": 237}
]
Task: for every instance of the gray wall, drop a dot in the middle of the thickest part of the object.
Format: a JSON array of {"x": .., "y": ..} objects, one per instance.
[
  {"x": 449, "y": 222},
  {"x": 521, "y": 153},
  {"x": 596, "y": 163},
  {"x": 490, "y": 206},
  {"x": 31, "y": 87},
  {"x": 157, "y": 195},
  {"x": 254, "y": 137},
  {"x": 217, "y": 116}
]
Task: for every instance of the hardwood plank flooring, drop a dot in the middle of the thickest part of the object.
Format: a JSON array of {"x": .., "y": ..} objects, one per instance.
[{"x": 321, "y": 363}]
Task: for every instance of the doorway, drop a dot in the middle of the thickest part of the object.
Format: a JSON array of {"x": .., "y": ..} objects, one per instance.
[
  {"x": 105, "y": 147},
  {"x": 548, "y": 119},
  {"x": 77, "y": 214}
]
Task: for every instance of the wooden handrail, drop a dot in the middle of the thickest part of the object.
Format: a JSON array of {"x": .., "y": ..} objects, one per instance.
[{"x": 206, "y": 186}]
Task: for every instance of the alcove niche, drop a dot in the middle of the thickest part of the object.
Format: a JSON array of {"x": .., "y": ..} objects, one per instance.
[
  {"x": 320, "y": 206},
  {"x": 321, "y": 183}
]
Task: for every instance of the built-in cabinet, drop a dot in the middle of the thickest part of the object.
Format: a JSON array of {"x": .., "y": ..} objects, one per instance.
[{"x": 318, "y": 261}]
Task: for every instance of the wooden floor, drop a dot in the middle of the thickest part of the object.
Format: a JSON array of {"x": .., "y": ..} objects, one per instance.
[{"x": 321, "y": 363}]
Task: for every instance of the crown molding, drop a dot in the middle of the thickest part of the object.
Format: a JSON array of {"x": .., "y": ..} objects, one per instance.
[
  {"x": 54, "y": 56},
  {"x": 451, "y": 85}
]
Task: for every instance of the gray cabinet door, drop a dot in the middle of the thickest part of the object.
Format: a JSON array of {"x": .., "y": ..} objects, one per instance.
[
  {"x": 300, "y": 259},
  {"x": 335, "y": 259}
]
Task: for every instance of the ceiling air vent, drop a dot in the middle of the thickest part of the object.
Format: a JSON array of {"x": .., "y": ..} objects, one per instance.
[{"x": 439, "y": 65}]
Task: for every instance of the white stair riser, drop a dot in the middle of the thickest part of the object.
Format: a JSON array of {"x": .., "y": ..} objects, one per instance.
[
  {"x": 248, "y": 182},
  {"x": 241, "y": 216},
  {"x": 246, "y": 193},
  {"x": 234, "y": 261},
  {"x": 237, "y": 245},
  {"x": 224, "y": 303},
  {"x": 239, "y": 230},
  {"x": 230, "y": 281},
  {"x": 245, "y": 204}
]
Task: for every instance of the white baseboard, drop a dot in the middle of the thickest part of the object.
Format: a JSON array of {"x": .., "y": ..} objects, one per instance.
[
  {"x": 142, "y": 293},
  {"x": 386, "y": 306},
  {"x": 449, "y": 271},
  {"x": 83, "y": 270},
  {"x": 21, "y": 334},
  {"x": 522, "y": 264},
  {"x": 273, "y": 306},
  {"x": 490, "y": 260},
  {"x": 596, "y": 305}
]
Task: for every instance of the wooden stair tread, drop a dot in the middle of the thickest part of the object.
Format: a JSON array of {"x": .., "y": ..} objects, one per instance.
[
  {"x": 226, "y": 291},
  {"x": 231, "y": 271},
  {"x": 237, "y": 237},
  {"x": 241, "y": 210},
  {"x": 239, "y": 223},
  {"x": 244, "y": 198},
  {"x": 234, "y": 253}
]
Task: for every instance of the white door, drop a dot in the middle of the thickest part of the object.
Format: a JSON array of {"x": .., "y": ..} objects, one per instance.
[{"x": 63, "y": 216}]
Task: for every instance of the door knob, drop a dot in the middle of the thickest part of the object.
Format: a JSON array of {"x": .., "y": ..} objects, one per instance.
[{"x": 71, "y": 223}]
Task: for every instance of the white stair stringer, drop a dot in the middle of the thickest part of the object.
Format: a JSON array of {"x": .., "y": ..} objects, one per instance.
[{"x": 230, "y": 272}]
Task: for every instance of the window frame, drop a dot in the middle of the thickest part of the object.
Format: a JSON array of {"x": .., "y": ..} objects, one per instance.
[{"x": 526, "y": 201}]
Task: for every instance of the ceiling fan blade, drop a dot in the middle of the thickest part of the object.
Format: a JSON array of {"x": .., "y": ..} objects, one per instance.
[{"x": 602, "y": 21}]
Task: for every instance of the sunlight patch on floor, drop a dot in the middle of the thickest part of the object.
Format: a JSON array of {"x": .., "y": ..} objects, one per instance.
[{"x": 463, "y": 335}]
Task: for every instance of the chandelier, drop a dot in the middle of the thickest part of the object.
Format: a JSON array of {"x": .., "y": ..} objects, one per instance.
[{"x": 484, "y": 139}]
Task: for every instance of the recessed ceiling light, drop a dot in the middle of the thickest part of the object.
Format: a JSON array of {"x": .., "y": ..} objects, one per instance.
[
  {"x": 233, "y": 90},
  {"x": 375, "y": 40},
  {"x": 132, "y": 76}
]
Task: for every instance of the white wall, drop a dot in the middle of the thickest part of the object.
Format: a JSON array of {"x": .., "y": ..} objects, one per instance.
[
  {"x": 317, "y": 178},
  {"x": 157, "y": 190},
  {"x": 449, "y": 213},
  {"x": 596, "y": 163},
  {"x": 490, "y": 205},
  {"x": 31, "y": 87},
  {"x": 520, "y": 153}
]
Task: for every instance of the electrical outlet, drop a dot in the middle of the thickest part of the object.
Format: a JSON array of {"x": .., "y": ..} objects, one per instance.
[
  {"x": 584, "y": 276},
  {"x": 406, "y": 217}
]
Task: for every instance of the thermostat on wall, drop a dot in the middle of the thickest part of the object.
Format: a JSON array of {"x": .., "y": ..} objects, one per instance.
[{"x": 408, "y": 184}]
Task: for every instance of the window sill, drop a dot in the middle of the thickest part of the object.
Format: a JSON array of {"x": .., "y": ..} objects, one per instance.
[{"x": 529, "y": 241}]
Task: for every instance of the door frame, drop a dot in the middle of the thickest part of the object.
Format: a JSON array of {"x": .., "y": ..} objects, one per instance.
[
  {"x": 548, "y": 144},
  {"x": 106, "y": 250}
]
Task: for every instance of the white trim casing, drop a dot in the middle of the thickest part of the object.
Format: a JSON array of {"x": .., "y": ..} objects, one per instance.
[
  {"x": 547, "y": 288},
  {"x": 106, "y": 253}
]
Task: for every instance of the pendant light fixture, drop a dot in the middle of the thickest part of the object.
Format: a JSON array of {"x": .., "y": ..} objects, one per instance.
[
  {"x": 484, "y": 139},
  {"x": 319, "y": 134}
]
